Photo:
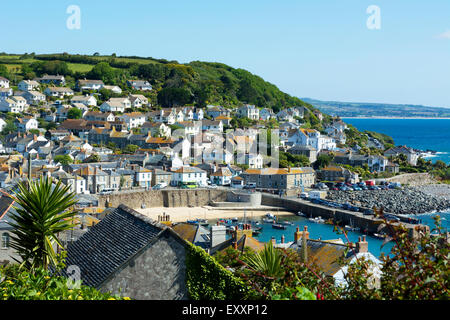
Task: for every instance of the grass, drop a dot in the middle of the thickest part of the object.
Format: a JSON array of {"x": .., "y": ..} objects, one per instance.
[{"x": 80, "y": 67}]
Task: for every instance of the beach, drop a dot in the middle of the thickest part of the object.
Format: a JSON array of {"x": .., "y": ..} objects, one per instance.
[{"x": 179, "y": 214}]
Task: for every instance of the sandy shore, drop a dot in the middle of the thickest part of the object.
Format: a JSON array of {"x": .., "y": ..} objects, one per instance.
[{"x": 184, "y": 214}]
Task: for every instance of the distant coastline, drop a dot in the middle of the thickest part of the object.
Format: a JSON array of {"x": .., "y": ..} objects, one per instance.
[{"x": 398, "y": 118}]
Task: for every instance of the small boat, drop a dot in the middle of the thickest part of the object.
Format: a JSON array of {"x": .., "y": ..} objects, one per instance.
[
  {"x": 300, "y": 214},
  {"x": 234, "y": 219},
  {"x": 278, "y": 226},
  {"x": 351, "y": 227},
  {"x": 266, "y": 220},
  {"x": 256, "y": 233},
  {"x": 198, "y": 221},
  {"x": 379, "y": 235},
  {"x": 317, "y": 220},
  {"x": 286, "y": 223},
  {"x": 270, "y": 216}
]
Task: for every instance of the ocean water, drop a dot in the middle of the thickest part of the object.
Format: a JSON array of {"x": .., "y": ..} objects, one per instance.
[
  {"x": 327, "y": 232},
  {"x": 423, "y": 134}
]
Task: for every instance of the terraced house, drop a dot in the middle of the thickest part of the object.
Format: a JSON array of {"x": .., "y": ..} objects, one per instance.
[{"x": 280, "y": 179}]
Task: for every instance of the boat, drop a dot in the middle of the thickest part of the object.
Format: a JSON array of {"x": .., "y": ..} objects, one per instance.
[
  {"x": 234, "y": 219},
  {"x": 256, "y": 233},
  {"x": 266, "y": 220},
  {"x": 270, "y": 216},
  {"x": 202, "y": 222},
  {"x": 351, "y": 227},
  {"x": 286, "y": 223},
  {"x": 317, "y": 220},
  {"x": 278, "y": 226},
  {"x": 380, "y": 235},
  {"x": 300, "y": 214}
]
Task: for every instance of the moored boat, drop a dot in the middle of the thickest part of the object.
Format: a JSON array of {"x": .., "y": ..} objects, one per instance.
[{"x": 278, "y": 226}]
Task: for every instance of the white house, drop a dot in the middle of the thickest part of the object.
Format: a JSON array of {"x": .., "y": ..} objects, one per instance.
[
  {"x": 143, "y": 177},
  {"x": 58, "y": 80},
  {"x": 9, "y": 105},
  {"x": 221, "y": 177},
  {"x": 212, "y": 126},
  {"x": 26, "y": 123},
  {"x": 90, "y": 84},
  {"x": 2, "y": 124},
  {"x": 28, "y": 85},
  {"x": 133, "y": 119},
  {"x": 115, "y": 105},
  {"x": 34, "y": 97},
  {"x": 138, "y": 100},
  {"x": 99, "y": 116},
  {"x": 188, "y": 174},
  {"x": 115, "y": 89},
  {"x": 59, "y": 92},
  {"x": 249, "y": 111},
  {"x": 5, "y": 92},
  {"x": 86, "y": 100},
  {"x": 254, "y": 161},
  {"x": 4, "y": 83}
]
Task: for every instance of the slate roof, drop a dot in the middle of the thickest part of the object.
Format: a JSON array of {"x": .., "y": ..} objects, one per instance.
[
  {"x": 6, "y": 211},
  {"x": 111, "y": 243}
]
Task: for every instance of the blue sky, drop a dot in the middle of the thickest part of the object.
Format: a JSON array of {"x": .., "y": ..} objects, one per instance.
[{"x": 320, "y": 49}]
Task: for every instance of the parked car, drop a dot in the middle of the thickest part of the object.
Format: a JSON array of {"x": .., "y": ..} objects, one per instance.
[
  {"x": 373, "y": 188},
  {"x": 356, "y": 187},
  {"x": 368, "y": 212},
  {"x": 159, "y": 186},
  {"x": 106, "y": 191},
  {"x": 344, "y": 188},
  {"x": 391, "y": 217}
]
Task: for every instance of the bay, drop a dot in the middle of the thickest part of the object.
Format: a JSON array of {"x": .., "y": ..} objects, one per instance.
[{"x": 423, "y": 134}]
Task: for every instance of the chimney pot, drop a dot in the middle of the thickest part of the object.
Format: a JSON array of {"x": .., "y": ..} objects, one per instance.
[{"x": 282, "y": 239}]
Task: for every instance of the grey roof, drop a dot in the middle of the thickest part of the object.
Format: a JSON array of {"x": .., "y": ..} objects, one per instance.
[
  {"x": 6, "y": 211},
  {"x": 111, "y": 243}
]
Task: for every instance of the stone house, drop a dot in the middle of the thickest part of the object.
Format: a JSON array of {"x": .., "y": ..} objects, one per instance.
[
  {"x": 7, "y": 254},
  {"x": 132, "y": 255},
  {"x": 280, "y": 179}
]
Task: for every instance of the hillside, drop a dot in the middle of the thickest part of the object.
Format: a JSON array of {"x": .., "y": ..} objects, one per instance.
[
  {"x": 198, "y": 83},
  {"x": 353, "y": 109}
]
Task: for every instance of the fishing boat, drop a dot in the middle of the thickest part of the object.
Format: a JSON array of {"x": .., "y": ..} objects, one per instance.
[
  {"x": 267, "y": 220},
  {"x": 278, "y": 226},
  {"x": 202, "y": 222},
  {"x": 286, "y": 223},
  {"x": 300, "y": 214},
  {"x": 234, "y": 219}
]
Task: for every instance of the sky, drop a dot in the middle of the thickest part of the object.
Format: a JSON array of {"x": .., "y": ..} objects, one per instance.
[{"x": 321, "y": 49}]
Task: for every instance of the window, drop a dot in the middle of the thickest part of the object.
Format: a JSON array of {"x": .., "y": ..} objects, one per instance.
[{"x": 5, "y": 240}]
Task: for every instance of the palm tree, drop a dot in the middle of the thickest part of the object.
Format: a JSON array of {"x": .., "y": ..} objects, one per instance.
[
  {"x": 43, "y": 210},
  {"x": 266, "y": 262}
]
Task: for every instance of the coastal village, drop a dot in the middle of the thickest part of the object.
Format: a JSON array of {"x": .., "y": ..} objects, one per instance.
[{"x": 127, "y": 144}]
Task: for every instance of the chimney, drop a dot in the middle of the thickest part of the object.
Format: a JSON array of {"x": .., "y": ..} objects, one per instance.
[
  {"x": 362, "y": 246},
  {"x": 297, "y": 235},
  {"x": 282, "y": 238},
  {"x": 304, "y": 250},
  {"x": 273, "y": 241},
  {"x": 234, "y": 245},
  {"x": 217, "y": 235},
  {"x": 305, "y": 232}
]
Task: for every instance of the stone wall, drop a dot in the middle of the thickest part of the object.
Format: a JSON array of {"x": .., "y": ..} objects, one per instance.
[
  {"x": 413, "y": 179},
  {"x": 164, "y": 198},
  {"x": 158, "y": 273},
  {"x": 252, "y": 198}
]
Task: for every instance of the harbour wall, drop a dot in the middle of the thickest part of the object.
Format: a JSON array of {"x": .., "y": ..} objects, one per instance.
[
  {"x": 343, "y": 217},
  {"x": 163, "y": 198}
]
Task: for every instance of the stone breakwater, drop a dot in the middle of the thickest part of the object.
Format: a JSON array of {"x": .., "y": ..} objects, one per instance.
[{"x": 408, "y": 200}]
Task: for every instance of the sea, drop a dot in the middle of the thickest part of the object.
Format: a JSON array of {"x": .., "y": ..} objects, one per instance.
[
  {"x": 328, "y": 232},
  {"x": 423, "y": 134}
]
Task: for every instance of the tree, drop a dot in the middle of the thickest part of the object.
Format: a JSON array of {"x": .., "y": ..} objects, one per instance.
[
  {"x": 10, "y": 127},
  {"x": 130, "y": 148},
  {"x": 43, "y": 210},
  {"x": 103, "y": 71},
  {"x": 169, "y": 97},
  {"x": 323, "y": 161},
  {"x": 63, "y": 159},
  {"x": 74, "y": 113}
]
